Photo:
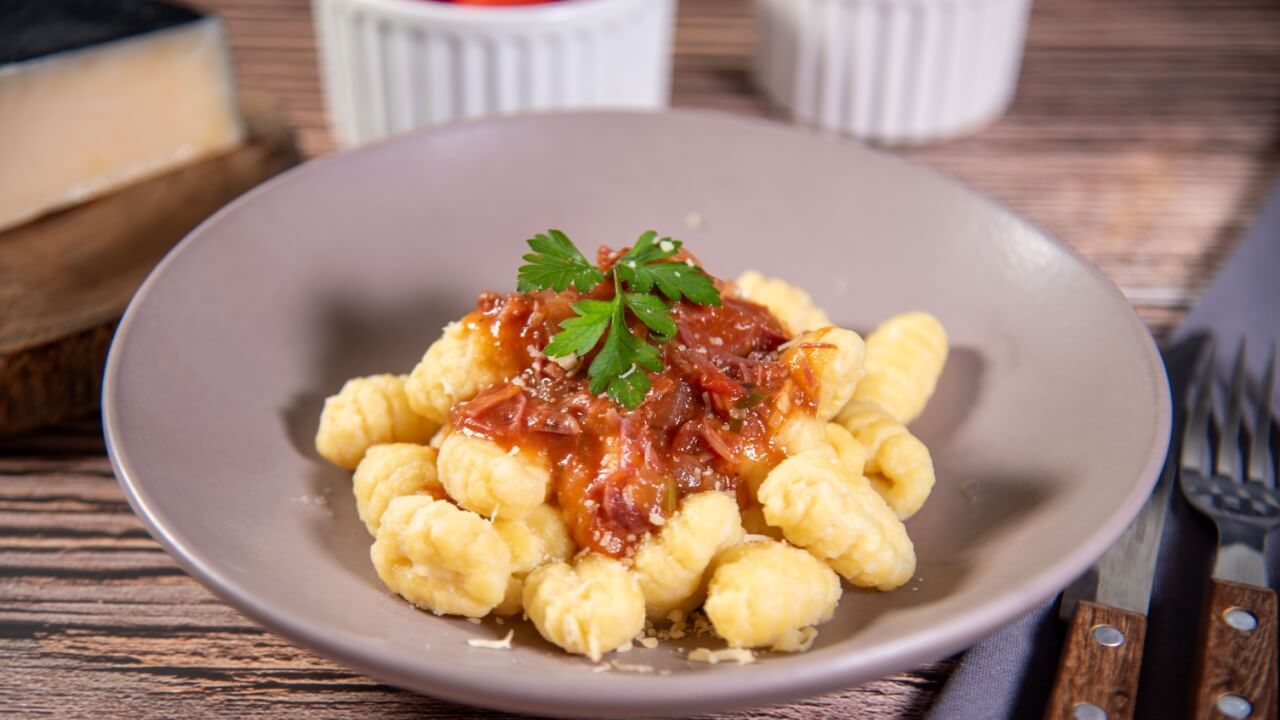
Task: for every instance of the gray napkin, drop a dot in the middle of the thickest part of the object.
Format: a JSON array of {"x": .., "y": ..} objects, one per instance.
[{"x": 1009, "y": 674}]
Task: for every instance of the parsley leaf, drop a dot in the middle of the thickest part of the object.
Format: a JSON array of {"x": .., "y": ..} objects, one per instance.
[
  {"x": 649, "y": 248},
  {"x": 619, "y": 361},
  {"x": 674, "y": 280},
  {"x": 641, "y": 270},
  {"x": 629, "y": 388},
  {"x": 618, "y": 368},
  {"x": 556, "y": 264},
  {"x": 580, "y": 333},
  {"x": 652, "y": 312}
]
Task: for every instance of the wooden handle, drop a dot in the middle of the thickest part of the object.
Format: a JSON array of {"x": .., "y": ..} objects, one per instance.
[
  {"x": 1100, "y": 662},
  {"x": 1237, "y": 653}
]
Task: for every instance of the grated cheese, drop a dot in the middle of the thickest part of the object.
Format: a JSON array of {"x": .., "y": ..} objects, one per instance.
[
  {"x": 566, "y": 362},
  {"x": 711, "y": 657},
  {"x": 630, "y": 667},
  {"x": 797, "y": 641},
  {"x": 702, "y": 626},
  {"x": 503, "y": 644}
]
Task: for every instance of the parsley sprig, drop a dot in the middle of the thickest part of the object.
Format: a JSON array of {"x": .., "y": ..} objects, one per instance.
[{"x": 641, "y": 278}]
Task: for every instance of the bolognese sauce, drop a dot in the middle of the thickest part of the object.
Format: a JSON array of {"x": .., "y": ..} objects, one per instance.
[{"x": 618, "y": 474}]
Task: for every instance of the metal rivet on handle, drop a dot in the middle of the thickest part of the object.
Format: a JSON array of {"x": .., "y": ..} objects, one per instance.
[
  {"x": 1234, "y": 706},
  {"x": 1108, "y": 635},
  {"x": 1241, "y": 619},
  {"x": 1088, "y": 711}
]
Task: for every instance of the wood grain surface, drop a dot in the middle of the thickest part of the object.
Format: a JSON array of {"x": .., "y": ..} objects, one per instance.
[
  {"x": 66, "y": 278},
  {"x": 1105, "y": 676},
  {"x": 1144, "y": 134},
  {"x": 1236, "y": 662}
]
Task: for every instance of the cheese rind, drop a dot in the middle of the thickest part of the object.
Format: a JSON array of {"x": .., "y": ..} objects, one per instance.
[{"x": 77, "y": 124}]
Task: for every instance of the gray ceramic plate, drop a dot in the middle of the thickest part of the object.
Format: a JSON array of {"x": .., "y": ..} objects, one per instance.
[{"x": 1047, "y": 430}]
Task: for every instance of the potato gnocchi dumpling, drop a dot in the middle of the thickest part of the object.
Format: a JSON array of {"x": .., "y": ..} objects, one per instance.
[
  {"x": 670, "y": 564},
  {"x": 851, "y": 454},
  {"x": 589, "y": 608},
  {"x": 464, "y": 361},
  {"x": 790, "y": 304},
  {"x": 368, "y": 411},
  {"x": 441, "y": 558},
  {"x": 534, "y": 540},
  {"x": 830, "y": 358},
  {"x": 753, "y": 523},
  {"x": 897, "y": 463},
  {"x": 765, "y": 593},
  {"x": 839, "y": 518},
  {"x": 484, "y": 478},
  {"x": 391, "y": 471},
  {"x": 905, "y": 355},
  {"x": 797, "y": 433}
]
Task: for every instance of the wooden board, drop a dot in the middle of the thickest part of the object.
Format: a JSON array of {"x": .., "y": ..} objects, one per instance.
[{"x": 65, "y": 278}]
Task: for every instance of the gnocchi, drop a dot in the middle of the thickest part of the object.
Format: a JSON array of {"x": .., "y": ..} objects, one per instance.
[
  {"x": 830, "y": 359},
  {"x": 391, "y": 471},
  {"x": 368, "y": 411},
  {"x": 670, "y": 564},
  {"x": 464, "y": 361},
  {"x": 897, "y": 463},
  {"x": 484, "y": 478},
  {"x": 441, "y": 558},
  {"x": 905, "y": 355},
  {"x": 793, "y": 306},
  {"x": 534, "y": 540},
  {"x": 743, "y": 454},
  {"x": 588, "y": 608},
  {"x": 839, "y": 518},
  {"x": 850, "y": 453},
  {"x": 753, "y": 523},
  {"x": 765, "y": 593}
]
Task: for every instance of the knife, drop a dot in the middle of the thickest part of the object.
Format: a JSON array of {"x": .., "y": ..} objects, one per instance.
[{"x": 1106, "y": 612}]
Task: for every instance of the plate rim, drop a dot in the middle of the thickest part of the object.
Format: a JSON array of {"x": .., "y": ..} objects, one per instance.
[{"x": 628, "y": 693}]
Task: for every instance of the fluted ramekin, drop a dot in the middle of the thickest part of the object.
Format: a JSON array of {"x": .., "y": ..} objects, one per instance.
[
  {"x": 392, "y": 65},
  {"x": 894, "y": 72}
]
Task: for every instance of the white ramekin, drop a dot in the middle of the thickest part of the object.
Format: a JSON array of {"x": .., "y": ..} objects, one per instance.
[
  {"x": 894, "y": 72},
  {"x": 392, "y": 65}
]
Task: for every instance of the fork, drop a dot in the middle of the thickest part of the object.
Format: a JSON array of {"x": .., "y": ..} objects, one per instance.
[{"x": 1236, "y": 662}]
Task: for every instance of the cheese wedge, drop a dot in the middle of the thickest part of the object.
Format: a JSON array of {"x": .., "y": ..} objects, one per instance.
[{"x": 97, "y": 95}]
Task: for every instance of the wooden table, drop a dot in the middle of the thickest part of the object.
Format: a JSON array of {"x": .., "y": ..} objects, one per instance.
[{"x": 1144, "y": 134}]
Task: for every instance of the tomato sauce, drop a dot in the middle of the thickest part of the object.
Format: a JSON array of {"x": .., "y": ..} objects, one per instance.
[{"x": 617, "y": 474}]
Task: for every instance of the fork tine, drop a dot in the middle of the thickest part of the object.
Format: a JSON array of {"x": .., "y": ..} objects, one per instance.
[
  {"x": 1195, "y": 435},
  {"x": 1228, "y": 464},
  {"x": 1260, "y": 461}
]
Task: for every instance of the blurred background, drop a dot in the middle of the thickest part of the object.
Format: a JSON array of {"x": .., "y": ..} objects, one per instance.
[{"x": 1144, "y": 133}]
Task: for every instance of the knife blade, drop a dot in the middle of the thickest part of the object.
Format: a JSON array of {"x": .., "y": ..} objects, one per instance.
[
  {"x": 1106, "y": 611},
  {"x": 1123, "y": 576}
]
